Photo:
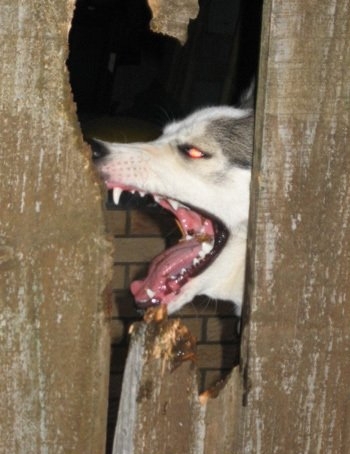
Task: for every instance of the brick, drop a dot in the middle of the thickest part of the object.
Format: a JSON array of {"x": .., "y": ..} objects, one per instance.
[
  {"x": 142, "y": 223},
  {"x": 222, "y": 329},
  {"x": 115, "y": 222},
  {"x": 118, "y": 331},
  {"x": 194, "y": 325},
  {"x": 136, "y": 272},
  {"x": 212, "y": 377},
  {"x": 138, "y": 249},
  {"x": 153, "y": 222},
  {"x": 123, "y": 305},
  {"x": 217, "y": 356},
  {"x": 119, "y": 277}
]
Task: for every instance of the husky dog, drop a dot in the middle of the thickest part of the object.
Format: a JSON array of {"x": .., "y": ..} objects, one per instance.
[{"x": 199, "y": 169}]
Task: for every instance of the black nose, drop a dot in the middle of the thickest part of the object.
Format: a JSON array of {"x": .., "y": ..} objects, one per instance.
[{"x": 99, "y": 149}]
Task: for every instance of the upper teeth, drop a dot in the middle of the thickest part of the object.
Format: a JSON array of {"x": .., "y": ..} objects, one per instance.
[
  {"x": 116, "y": 195},
  {"x": 174, "y": 204}
]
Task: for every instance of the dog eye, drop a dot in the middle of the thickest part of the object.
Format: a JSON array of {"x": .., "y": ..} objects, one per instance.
[{"x": 192, "y": 152}]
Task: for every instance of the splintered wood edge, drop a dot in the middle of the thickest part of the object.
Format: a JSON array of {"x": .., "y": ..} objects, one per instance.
[{"x": 172, "y": 17}]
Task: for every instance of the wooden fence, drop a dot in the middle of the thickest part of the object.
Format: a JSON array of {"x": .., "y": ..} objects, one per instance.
[{"x": 291, "y": 391}]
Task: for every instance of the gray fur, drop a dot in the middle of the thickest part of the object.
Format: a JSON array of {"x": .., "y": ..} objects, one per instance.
[
  {"x": 235, "y": 138},
  {"x": 217, "y": 184}
]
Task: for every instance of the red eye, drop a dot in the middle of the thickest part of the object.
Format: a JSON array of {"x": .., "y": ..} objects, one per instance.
[{"x": 194, "y": 153}]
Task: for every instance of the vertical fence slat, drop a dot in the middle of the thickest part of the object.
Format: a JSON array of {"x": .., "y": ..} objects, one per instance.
[
  {"x": 296, "y": 341},
  {"x": 54, "y": 259}
]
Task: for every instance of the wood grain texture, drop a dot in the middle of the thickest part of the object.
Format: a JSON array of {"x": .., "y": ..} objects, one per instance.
[
  {"x": 160, "y": 410},
  {"x": 296, "y": 346},
  {"x": 172, "y": 17},
  {"x": 54, "y": 258}
]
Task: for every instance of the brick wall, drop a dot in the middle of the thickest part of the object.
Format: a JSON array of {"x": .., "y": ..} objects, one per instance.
[{"x": 139, "y": 236}]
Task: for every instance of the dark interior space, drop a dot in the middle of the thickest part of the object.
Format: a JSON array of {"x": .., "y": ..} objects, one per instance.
[
  {"x": 119, "y": 67},
  {"x": 128, "y": 81}
]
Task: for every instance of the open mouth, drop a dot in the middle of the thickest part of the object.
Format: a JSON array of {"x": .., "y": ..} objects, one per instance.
[{"x": 203, "y": 237}]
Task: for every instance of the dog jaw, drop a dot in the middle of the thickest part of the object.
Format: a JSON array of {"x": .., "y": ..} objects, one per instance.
[{"x": 218, "y": 186}]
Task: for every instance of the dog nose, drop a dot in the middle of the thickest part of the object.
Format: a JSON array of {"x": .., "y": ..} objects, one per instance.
[{"x": 99, "y": 149}]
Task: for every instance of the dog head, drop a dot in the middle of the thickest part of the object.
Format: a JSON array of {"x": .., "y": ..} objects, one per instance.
[{"x": 199, "y": 169}]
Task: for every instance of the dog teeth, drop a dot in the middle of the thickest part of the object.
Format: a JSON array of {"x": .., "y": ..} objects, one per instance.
[
  {"x": 116, "y": 195},
  {"x": 195, "y": 261},
  {"x": 174, "y": 204},
  {"x": 201, "y": 254},
  {"x": 142, "y": 193},
  {"x": 206, "y": 247},
  {"x": 150, "y": 293}
]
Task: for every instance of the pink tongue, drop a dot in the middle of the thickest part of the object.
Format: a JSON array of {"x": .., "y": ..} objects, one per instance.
[
  {"x": 189, "y": 220},
  {"x": 164, "y": 274}
]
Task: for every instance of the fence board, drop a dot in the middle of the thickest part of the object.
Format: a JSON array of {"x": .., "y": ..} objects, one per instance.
[
  {"x": 160, "y": 409},
  {"x": 296, "y": 343},
  {"x": 54, "y": 259}
]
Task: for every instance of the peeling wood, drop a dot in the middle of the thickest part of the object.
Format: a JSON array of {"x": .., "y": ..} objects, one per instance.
[
  {"x": 172, "y": 17},
  {"x": 160, "y": 409},
  {"x": 296, "y": 342},
  {"x": 54, "y": 259}
]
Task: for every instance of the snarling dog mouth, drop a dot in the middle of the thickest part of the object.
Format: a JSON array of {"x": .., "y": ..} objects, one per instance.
[
  {"x": 203, "y": 237},
  {"x": 199, "y": 170}
]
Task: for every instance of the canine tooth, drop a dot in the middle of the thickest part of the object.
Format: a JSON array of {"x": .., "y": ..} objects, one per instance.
[
  {"x": 150, "y": 293},
  {"x": 156, "y": 198},
  {"x": 195, "y": 261},
  {"x": 116, "y": 195},
  {"x": 142, "y": 193}
]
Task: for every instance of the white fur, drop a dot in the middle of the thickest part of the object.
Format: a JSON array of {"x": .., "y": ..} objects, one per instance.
[{"x": 215, "y": 185}]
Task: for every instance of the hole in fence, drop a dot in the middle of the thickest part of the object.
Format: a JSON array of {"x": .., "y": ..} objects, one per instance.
[{"x": 127, "y": 83}]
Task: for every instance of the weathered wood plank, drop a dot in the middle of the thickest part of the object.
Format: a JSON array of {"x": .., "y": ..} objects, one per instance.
[
  {"x": 54, "y": 341},
  {"x": 172, "y": 17},
  {"x": 296, "y": 343},
  {"x": 160, "y": 409}
]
